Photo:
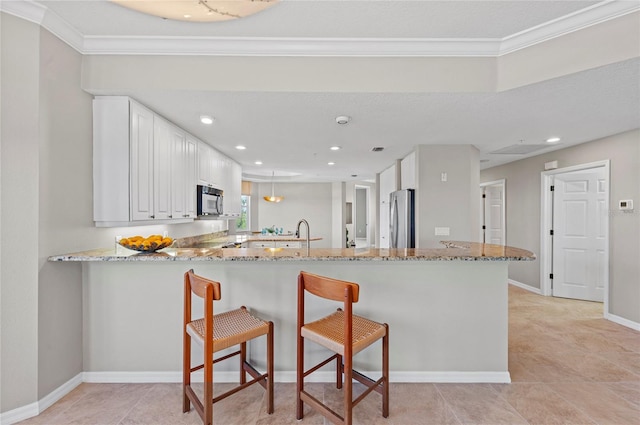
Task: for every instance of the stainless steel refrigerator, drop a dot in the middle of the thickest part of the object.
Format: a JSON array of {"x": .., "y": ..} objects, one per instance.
[{"x": 402, "y": 219}]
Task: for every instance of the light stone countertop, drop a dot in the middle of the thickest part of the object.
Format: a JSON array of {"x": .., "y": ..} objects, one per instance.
[{"x": 451, "y": 251}]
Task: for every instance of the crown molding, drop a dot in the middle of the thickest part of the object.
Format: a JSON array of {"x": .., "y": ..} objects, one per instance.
[
  {"x": 316, "y": 47},
  {"x": 576, "y": 21}
]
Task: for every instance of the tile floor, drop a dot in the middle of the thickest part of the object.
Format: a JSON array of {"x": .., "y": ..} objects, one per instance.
[{"x": 568, "y": 366}]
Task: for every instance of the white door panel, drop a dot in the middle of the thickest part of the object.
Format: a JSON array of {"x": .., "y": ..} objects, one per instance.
[
  {"x": 580, "y": 226},
  {"x": 494, "y": 214}
]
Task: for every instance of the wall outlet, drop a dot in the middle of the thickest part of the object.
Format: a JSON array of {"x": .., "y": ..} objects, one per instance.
[{"x": 442, "y": 231}]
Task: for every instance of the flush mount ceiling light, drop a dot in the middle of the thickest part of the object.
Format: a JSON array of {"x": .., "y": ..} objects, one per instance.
[
  {"x": 258, "y": 162},
  {"x": 343, "y": 119},
  {"x": 206, "y": 119},
  {"x": 241, "y": 148},
  {"x": 331, "y": 163},
  {"x": 335, "y": 148},
  {"x": 198, "y": 10},
  {"x": 553, "y": 139},
  {"x": 273, "y": 198}
]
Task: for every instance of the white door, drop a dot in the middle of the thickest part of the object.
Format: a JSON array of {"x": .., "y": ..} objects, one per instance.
[
  {"x": 580, "y": 226},
  {"x": 493, "y": 227}
]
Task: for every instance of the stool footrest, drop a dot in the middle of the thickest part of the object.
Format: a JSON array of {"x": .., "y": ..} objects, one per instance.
[
  {"x": 319, "y": 365},
  {"x": 238, "y": 388}
]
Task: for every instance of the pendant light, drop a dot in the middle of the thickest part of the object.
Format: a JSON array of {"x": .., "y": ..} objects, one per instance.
[{"x": 273, "y": 198}]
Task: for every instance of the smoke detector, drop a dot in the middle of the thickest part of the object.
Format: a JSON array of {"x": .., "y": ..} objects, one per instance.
[{"x": 343, "y": 119}]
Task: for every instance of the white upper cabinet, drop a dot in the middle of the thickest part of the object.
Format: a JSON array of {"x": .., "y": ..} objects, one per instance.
[
  {"x": 233, "y": 189},
  {"x": 163, "y": 133},
  {"x": 191, "y": 178},
  {"x": 408, "y": 172},
  {"x": 134, "y": 165},
  {"x": 142, "y": 161}
]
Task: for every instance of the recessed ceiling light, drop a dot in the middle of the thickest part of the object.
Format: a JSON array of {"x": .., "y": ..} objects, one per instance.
[
  {"x": 240, "y": 147},
  {"x": 553, "y": 139},
  {"x": 343, "y": 119},
  {"x": 258, "y": 162},
  {"x": 206, "y": 119},
  {"x": 335, "y": 148},
  {"x": 187, "y": 16},
  {"x": 331, "y": 163}
]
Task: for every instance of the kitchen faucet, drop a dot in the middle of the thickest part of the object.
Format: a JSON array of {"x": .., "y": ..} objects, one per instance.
[{"x": 298, "y": 230}]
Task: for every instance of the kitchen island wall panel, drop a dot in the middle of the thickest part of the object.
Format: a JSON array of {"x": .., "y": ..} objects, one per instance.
[{"x": 447, "y": 319}]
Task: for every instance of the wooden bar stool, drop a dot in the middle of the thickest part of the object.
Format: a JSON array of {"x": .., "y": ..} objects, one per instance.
[
  {"x": 345, "y": 334},
  {"x": 215, "y": 333}
]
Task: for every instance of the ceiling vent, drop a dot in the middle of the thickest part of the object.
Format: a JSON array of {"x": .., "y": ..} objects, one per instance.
[
  {"x": 377, "y": 149},
  {"x": 519, "y": 149}
]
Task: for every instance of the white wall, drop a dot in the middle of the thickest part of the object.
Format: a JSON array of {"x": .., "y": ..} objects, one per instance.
[
  {"x": 311, "y": 201},
  {"x": 523, "y": 213}
]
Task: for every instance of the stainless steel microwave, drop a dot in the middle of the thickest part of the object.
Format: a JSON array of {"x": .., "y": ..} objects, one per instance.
[{"x": 209, "y": 201}]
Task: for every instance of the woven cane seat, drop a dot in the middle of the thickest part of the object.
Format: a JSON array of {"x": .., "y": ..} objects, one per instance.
[
  {"x": 329, "y": 332},
  {"x": 229, "y": 329}
]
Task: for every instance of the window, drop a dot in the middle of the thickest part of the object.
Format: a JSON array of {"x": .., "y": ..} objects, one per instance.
[{"x": 243, "y": 222}]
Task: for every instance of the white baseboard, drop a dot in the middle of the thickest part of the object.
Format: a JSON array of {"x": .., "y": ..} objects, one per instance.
[
  {"x": 525, "y": 286},
  {"x": 622, "y": 321},
  {"x": 19, "y": 414},
  {"x": 34, "y": 409}
]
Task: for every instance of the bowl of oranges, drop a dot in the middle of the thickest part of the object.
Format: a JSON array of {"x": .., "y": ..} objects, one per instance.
[{"x": 149, "y": 244}]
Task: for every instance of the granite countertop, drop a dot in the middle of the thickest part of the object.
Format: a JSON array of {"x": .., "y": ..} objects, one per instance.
[{"x": 451, "y": 250}]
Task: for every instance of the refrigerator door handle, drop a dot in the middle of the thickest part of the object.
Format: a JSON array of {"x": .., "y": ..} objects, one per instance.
[{"x": 394, "y": 222}]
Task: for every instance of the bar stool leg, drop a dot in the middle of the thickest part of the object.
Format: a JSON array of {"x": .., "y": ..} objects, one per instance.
[
  {"x": 299, "y": 377},
  {"x": 385, "y": 372},
  {"x": 339, "y": 369},
  {"x": 243, "y": 359},
  {"x": 270, "y": 369}
]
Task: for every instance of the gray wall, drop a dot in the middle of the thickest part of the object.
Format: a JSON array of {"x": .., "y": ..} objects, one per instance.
[
  {"x": 454, "y": 203},
  {"x": 46, "y": 209},
  {"x": 523, "y": 213},
  {"x": 19, "y": 155}
]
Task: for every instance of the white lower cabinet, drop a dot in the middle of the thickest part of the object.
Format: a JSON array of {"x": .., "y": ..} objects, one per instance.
[
  {"x": 286, "y": 244},
  {"x": 253, "y": 244},
  {"x": 277, "y": 244}
]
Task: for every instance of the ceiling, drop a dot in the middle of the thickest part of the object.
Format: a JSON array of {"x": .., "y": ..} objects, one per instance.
[{"x": 291, "y": 131}]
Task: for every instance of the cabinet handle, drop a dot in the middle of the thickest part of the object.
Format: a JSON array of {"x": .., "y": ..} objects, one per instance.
[
  {"x": 152, "y": 216},
  {"x": 170, "y": 216}
]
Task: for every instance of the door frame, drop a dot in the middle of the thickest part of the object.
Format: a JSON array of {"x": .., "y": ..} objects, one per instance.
[
  {"x": 367, "y": 207},
  {"x": 546, "y": 221},
  {"x": 503, "y": 183}
]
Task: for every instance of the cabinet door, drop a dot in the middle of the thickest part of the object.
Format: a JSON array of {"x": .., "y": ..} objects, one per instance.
[
  {"x": 262, "y": 244},
  {"x": 288, "y": 244},
  {"x": 217, "y": 169},
  {"x": 191, "y": 177},
  {"x": 178, "y": 173},
  {"x": 233, "y": 190},
  {"x": 204, "y": 163},
  {"x": 141, "y": 139},
  {"x": 162, "y": 138},
  {"x": 408, "y": 172}
]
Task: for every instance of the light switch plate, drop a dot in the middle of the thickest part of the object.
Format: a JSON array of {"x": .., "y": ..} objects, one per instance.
[{"x": 442, "y": 231}]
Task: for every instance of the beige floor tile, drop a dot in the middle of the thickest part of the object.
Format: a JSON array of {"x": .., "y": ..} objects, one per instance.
[
  {"x": 479, "y": 404},
  {"x": 538, "y": 404},
  {"x": 108, "y": 405},
  {"x": 285, "y": 406},
  {"x": 598, "y": 402},
  {"x": 567, "y": 363},
  {"x": 629, "y": 391}
]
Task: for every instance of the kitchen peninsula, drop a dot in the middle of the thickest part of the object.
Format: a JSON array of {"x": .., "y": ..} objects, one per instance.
[{"x": 446, "y": 307}]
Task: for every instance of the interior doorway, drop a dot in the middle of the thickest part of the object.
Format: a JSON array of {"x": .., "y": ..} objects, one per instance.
[
  {"x": 575, "y": 232},
  {"x": 493, "y": 221},
  {"x": 360, "y": 216}
]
